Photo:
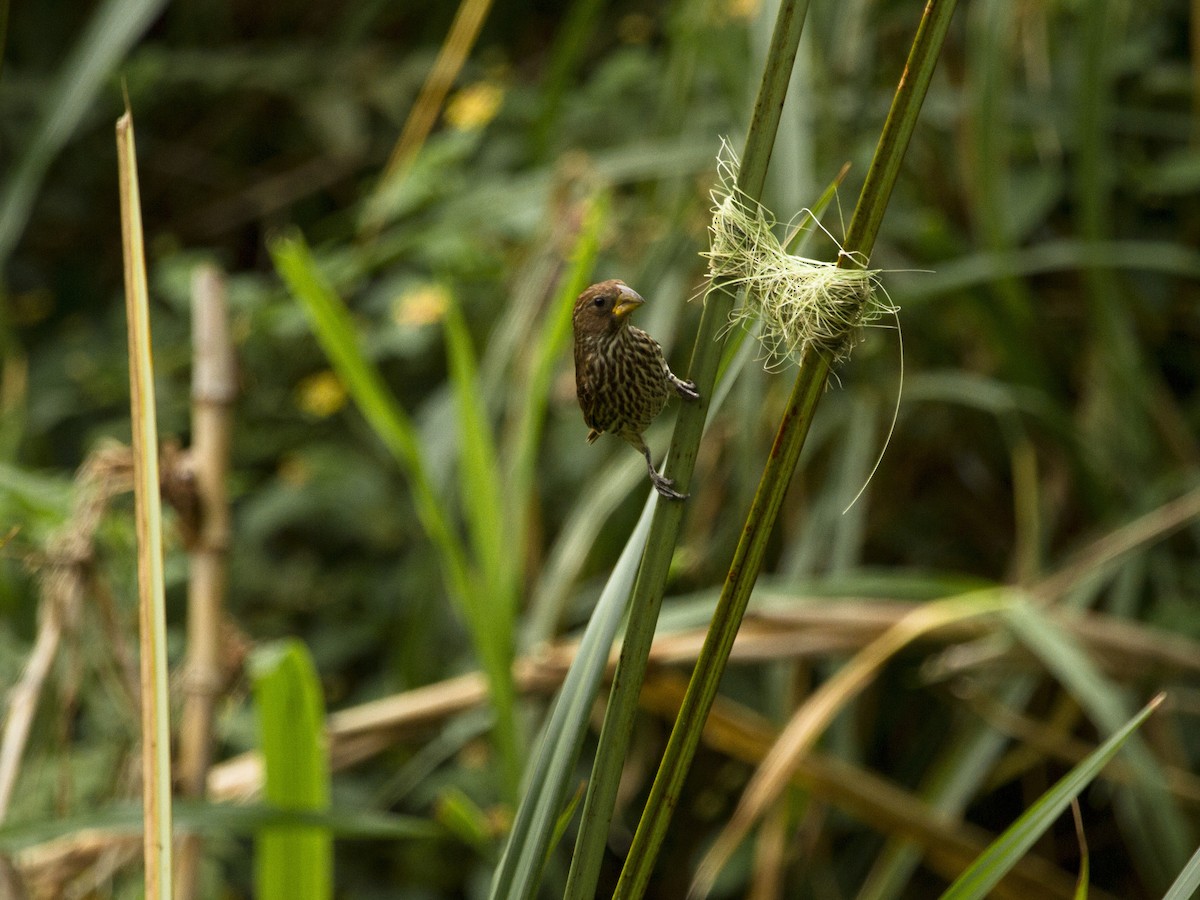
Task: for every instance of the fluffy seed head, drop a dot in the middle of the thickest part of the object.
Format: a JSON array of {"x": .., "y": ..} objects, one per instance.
[{"x": 801, "y": 302}]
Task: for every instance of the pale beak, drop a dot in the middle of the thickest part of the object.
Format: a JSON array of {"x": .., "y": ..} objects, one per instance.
[{"x": 629, "y": 301}]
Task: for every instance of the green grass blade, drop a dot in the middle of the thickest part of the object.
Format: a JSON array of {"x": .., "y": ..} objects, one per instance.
[
  {"x": 292, "y": 863},
  {"x": 548, "y": 780},
  {"x": 110, "y": 33},
  {"x": 481, "y": 483},
  {"x": 573, "y": 45},
  {"x": 1153, "y": 822},
  {"x": 338, "y": 337},
  {"x": 986, "y": 871},
  {"x": 492, "y": 609},
  {"x": 336, "y": 333},
  {"x": 608, "y": 490}
]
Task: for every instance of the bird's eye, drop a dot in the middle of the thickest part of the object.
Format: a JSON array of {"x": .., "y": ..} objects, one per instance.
[{"x": 599, "y": 301}]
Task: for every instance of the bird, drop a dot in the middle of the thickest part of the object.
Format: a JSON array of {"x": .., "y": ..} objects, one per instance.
[{"x": 621, "y": 377}]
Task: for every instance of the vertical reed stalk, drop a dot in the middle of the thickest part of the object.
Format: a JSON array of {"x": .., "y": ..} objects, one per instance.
[
  {"x": 664, "y": 527},
  {"x": 152, "y": 624},
  {"x": 793, "y": 428}
]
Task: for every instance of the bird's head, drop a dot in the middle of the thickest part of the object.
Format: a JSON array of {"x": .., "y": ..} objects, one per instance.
[{"x": 604, "y": 308}]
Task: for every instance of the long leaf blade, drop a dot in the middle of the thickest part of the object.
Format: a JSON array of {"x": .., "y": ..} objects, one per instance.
[{"x": 985, "y": 873}]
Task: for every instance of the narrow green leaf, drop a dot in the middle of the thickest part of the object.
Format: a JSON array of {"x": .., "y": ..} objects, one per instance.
[
  {"x": 338, "y": 337},
  {"x": 1085, "y": 859},
  {"x": 1153, "y": 821},
  {"x": 1188, "y": 882},
  {"x": 548, "y": 779},
  {"x": 111, "y": 31},
  {"x": 481, "y": 483},
  {"x": 462, "y": 816},
  {"x": 1003, "y": 853},
  {"x": 472, "y": 594},
  {"x": 294, "y": 862},
  {"x": 492, "y": 608}
]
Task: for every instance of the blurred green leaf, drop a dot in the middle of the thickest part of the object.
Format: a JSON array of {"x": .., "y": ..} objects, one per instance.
[
  {"x": 111, "y": 31},
  {"x": 292, "y": 863},
  {"x": 461, "y": 816},
  {"x": 336, "y": 331}
]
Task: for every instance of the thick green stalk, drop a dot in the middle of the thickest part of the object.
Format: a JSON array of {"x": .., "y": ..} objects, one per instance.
[
  {"x": 664, "y": 528},
  {"x": 793, "y": 429}
]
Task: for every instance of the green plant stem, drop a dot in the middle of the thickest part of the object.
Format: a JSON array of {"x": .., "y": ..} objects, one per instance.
[
  {"x": 809, "y": 386},
  {"x": 664, "y": 528}
]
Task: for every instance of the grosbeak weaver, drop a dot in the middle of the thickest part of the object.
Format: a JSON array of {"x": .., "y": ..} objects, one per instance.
[{"x": 621, "y": 377}]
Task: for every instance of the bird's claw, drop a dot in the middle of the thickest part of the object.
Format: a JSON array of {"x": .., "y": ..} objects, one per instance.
[
  {"x": 665, "y": 486},
  {"x": 687, "y": 389}
]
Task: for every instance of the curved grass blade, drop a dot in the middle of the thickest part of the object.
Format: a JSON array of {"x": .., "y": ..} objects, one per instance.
[
  {"x": 339, "y": 339},
  {"x": 1156, "y": 828},
  {"x": 547, "y": 780},
  {"x": 493, "y": 608},
  {"x": 983, "y": 874}
]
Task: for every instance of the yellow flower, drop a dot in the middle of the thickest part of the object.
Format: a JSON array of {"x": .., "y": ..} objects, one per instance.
[
  {"x": 474, "y": 106},
  {"x": 742, "y": 9},
  {"x": 422, "y": 305},
  {"x": 321, "y": 395}
]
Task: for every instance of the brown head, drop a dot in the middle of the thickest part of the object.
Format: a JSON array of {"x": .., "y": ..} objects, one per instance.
[{"x": 604, "y": 308}]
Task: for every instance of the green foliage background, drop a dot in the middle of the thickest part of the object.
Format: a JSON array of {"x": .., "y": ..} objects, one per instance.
[{"x": 1041, "y": 245}]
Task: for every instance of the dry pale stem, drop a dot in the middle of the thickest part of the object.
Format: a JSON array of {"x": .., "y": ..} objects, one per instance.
[{"x": 214, "y": 386}]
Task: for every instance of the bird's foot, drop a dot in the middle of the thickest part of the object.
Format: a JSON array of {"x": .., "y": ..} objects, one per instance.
[
  {"x": 687, "y": 389},
  {"x": 666, "y": 486}
]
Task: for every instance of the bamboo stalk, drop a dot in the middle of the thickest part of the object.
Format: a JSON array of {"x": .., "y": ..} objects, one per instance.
[
  {"x": 152, "y": 624},
  {"x": 214, "y": 386}
]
